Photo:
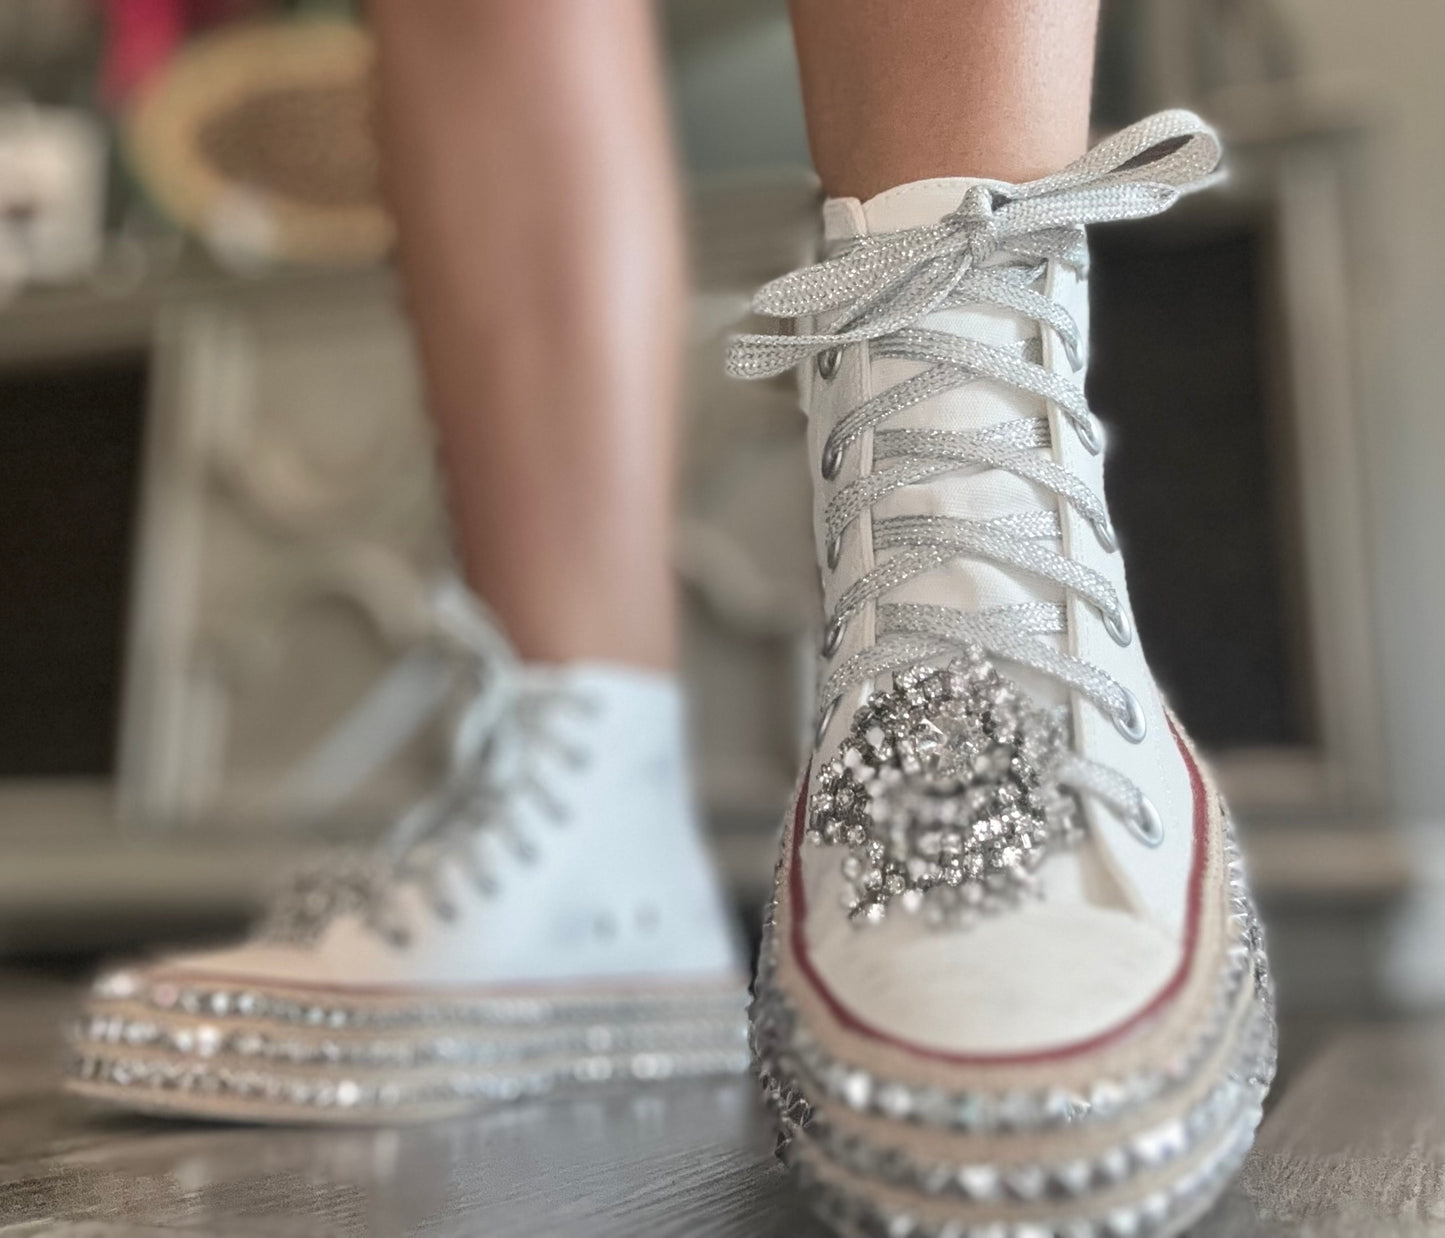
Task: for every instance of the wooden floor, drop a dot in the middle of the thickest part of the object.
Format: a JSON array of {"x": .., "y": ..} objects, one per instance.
[{"x": 1352, "y": 1147}]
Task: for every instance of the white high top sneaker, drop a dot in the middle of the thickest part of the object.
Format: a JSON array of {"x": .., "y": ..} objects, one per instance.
[
  {"x": 1011, "y": 983},
  {"x": 550, "y": 919}
]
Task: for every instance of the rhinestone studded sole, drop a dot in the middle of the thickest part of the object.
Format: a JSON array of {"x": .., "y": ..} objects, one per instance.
[
  {"x": 250, "y": 1053},
  {"x": 1120, "y": 1149}
]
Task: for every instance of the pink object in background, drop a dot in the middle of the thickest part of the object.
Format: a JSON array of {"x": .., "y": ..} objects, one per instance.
[{"x": 141, "y": 35}]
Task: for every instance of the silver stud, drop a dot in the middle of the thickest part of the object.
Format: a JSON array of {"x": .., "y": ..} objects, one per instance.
[
  {"x": 833, "y": 636},
  {"x": 208, "y": 1039},
  {"x": 1129, "y": 720},
  {"x": 933, "y": 1106},
  {"x": 1074, "y": 1176},
  {"x": 833, "y": 551},
  {"x": 1026, "y": 1182},
  {"x": 118, "y": 984},
  {"x": 973, "y": 1113},
  {"x": 1019, "y": 1110},
  {"x": 828, "y": 361},
  {"x": 1154, "y": 1208},
  {"x": 824, "y": 719},
  {"x": 895, "y": 1100},
  {"x": 936, "y": 1179},
  {"x": 901, "y": 1225},
  {"x": 831, "y": 461},
  {"x": 1113, "y": 1165},
  {"x": 1117, "y": 625},
  {"x": 979, "y": 1182},
  {"x": 1122, "y": 1223},
  {"x": 1087, "y": 429},
  {"x": 1148, "y": 826},
  {"x": 1062, "y": 1106},
  {"x": 1148, "y": 1150},
  {"x": 1173, "y": 1139},
  {"x": 1072, "y": 352},
  {"x": 1104, "y": 531},
  {"x": 858, "y": 1089}
]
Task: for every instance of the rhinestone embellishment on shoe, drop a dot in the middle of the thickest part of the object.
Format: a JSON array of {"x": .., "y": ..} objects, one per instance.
[
  {"x": 319, "y": 890},
  {"x": 943, "y": 795}
]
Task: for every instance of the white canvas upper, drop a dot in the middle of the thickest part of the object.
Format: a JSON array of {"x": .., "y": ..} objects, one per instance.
[
  {"x": 1109, "y": 932},
  {"x": 601, "y": 879}
]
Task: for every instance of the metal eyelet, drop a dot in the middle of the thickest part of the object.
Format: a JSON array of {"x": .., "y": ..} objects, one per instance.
[
  {"x": 1104, "y": 531},
  {"x": 831, "y": 461},
  {"x": 833, "y": 551},
  {"x": 833, "y": 636},
  {"x": 824, "y": 719},
  {"x": 1088, "y": 432},
  {"x": 828, "y": 361},
  {"x": 1116, "y": 624},
  {"x": 1071, "y": 351},
  {"x": 1131, "y": 723},
  {"x": 1149, "y": 828}
]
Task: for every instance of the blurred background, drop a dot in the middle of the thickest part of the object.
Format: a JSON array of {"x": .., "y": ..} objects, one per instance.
[{"x": 218, "y": 504}]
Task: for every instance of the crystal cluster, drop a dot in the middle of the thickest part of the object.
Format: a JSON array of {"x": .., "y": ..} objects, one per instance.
[
  {"x": 314, "y": 893},
  {"x": 943, "y": 795}
]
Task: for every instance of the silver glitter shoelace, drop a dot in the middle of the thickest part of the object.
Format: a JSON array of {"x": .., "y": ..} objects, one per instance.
[
  {"x": 475, "y": 817},
  {"x": 992, "y": 251}
]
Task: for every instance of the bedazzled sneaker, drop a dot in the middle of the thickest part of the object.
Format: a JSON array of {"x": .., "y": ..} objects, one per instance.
[
  {"x": 1011, "y": 982},
  {"x": 550, "y": 920}
]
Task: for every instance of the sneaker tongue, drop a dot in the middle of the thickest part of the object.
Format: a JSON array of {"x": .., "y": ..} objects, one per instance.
[
  {"x": 915, "y": 205},
  {"x": 974, "y": 494}
]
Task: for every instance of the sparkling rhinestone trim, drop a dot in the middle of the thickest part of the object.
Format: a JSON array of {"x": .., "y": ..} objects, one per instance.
[
  {"x": 1233, "y": 1100},
  {"x": 222, "y": 1000},
  {"x": 201, "y": 1046},
  {"x": 211, "y": 1040},
  {"x": 1164, "y": 1210},
  {"x": 943, "y": 796},
  {"x": 319, "y": 891},
  {"x": 357, "y": 1092}
]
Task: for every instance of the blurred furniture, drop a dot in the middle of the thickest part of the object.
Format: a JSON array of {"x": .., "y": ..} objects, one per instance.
[
  {"x": 267, "y": 553},
  {"x": 1227, "y": 366}
]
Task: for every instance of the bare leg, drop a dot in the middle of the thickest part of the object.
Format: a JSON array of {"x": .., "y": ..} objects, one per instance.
[
  {"x": 904, "y": 92},
  {"x": 528, "y": 164}
]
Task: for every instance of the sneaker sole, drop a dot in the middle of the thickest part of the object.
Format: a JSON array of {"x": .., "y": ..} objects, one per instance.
[
  {"x": 1134, "y": 1138},
  {"x": 229, "y": 1050}
]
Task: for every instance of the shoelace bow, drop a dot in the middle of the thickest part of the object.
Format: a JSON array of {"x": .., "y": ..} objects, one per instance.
[
  {"x": 496, "y": 766},
  {"x": 879, "y": 288}
]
